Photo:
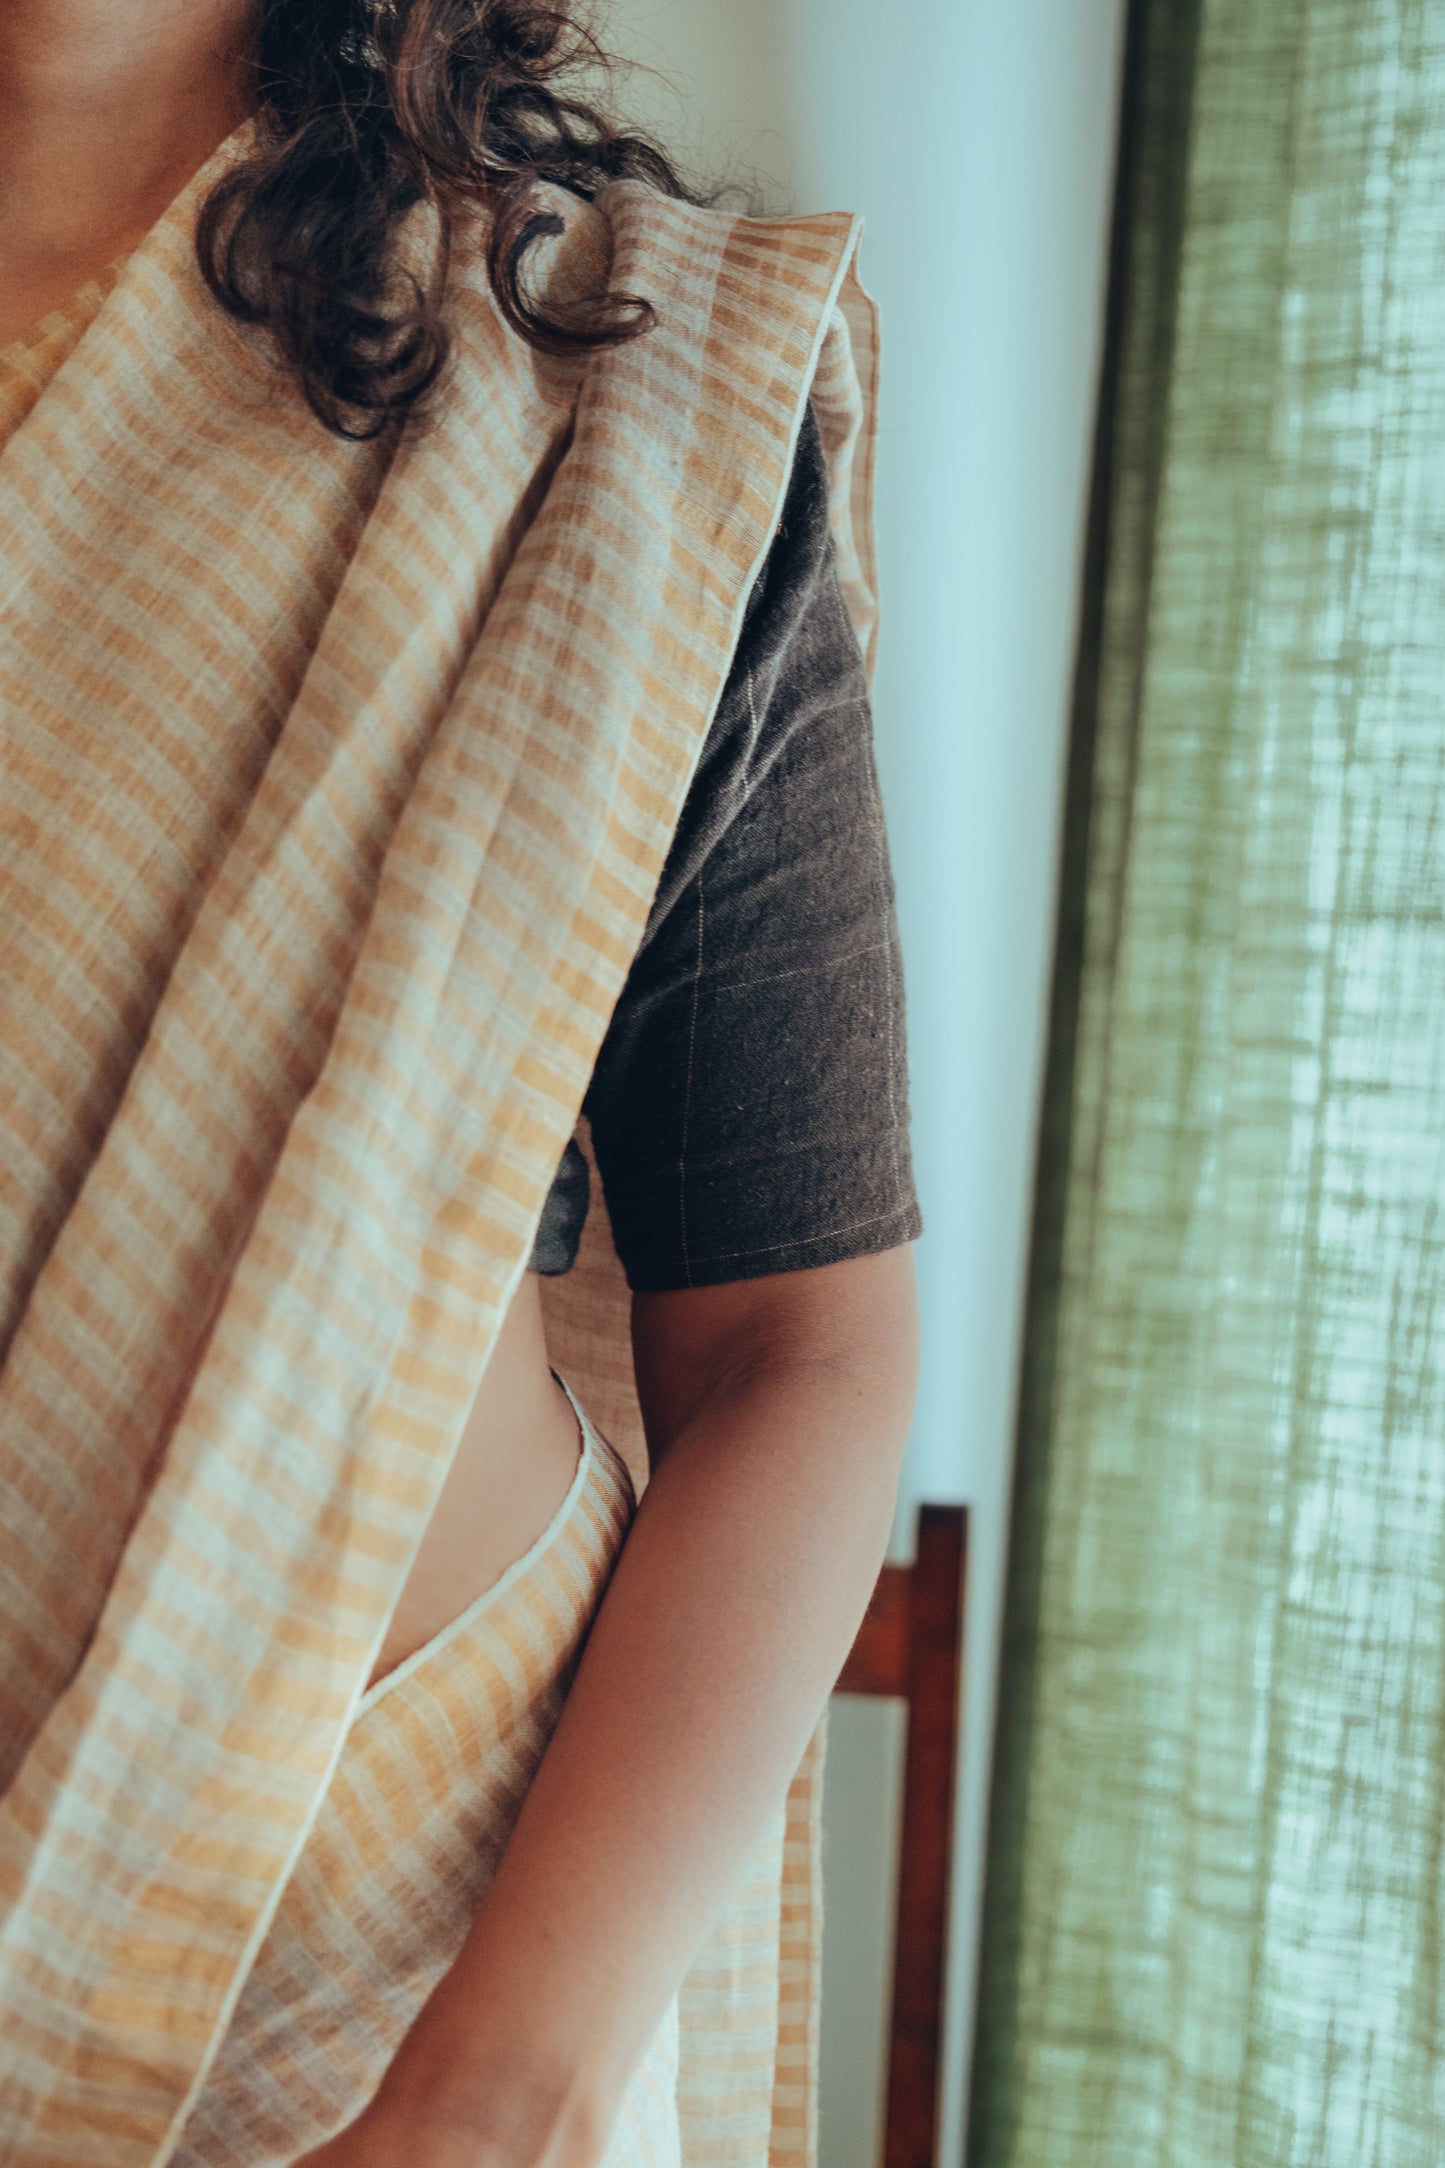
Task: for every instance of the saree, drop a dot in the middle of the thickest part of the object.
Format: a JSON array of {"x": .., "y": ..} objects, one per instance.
[{"x": 337, "y": 780}]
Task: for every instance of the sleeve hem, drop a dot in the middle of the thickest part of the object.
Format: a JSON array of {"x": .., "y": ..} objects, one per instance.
[{"x": 866, "y": 1238}]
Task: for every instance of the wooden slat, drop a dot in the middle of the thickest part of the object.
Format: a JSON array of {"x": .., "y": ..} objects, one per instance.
[
  {"x": 878, "y": 1660},
  {"x": 911, "y": 1645},
  {"x": 915, "y": 2065}
]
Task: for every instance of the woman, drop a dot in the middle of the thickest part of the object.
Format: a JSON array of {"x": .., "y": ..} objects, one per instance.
[{"x": 287, "y": 1466}]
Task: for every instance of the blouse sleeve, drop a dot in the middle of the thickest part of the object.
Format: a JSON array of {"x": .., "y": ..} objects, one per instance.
[{"x": 749, "y": 1106}]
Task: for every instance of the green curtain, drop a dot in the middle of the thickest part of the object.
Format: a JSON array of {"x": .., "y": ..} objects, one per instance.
[{"x": 1213, "y": 1919}]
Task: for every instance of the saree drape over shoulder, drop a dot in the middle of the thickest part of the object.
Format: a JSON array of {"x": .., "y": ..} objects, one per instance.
[{"x": 337, "y": 779}]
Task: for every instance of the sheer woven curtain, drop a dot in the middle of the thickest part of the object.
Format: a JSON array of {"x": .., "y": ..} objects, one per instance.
[{"x": 1217, "y": 1841}]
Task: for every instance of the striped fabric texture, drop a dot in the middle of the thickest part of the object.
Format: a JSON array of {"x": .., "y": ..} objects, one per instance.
[
  {"x": 337, "y": 779},
  {"x": 436, "y": 1765}
]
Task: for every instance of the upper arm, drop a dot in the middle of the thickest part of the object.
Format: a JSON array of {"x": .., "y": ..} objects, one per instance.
[
  {"x": 749, "y": 1105},
  {"x": 852, "y": 1327}
]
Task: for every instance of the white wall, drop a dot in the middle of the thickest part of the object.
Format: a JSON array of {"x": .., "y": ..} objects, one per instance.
[{"x": 977, "y": 138}]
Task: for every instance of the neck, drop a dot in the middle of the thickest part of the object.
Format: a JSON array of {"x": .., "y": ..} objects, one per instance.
[{"x": 106, "y": 108}]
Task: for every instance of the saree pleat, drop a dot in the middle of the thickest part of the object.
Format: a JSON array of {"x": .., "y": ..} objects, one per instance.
[{"x": 337, "y": 779}]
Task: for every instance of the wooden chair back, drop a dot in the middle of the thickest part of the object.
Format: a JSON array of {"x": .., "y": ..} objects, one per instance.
[{"x": 910, "y": 1645}]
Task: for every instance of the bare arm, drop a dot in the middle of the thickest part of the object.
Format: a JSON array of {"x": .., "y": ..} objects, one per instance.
[{"x": 776, "y": 1412}]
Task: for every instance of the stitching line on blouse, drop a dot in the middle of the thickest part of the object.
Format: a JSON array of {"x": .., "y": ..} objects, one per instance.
[
  {"x": 799, "y": 1242},
  {"x": 687, "y": 1094},
  {"x": 756, "y": 736},
  {"x": 798, "y": 971}
]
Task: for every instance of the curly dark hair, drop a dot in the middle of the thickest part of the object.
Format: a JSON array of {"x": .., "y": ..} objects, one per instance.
[{"x": 364, "y": 107}]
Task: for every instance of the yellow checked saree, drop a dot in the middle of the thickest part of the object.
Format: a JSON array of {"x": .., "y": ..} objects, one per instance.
[{"x": 335, "y": 781}]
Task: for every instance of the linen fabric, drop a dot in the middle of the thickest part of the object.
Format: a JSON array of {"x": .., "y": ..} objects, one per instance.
[
  {"x": 1217, "y": 1852},
  {"x": 749, "y": 1104},
  {"x": 430, "y": 1780},
  {"x": 337, "y": 780}
]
